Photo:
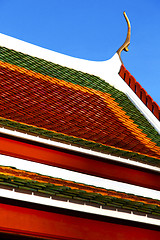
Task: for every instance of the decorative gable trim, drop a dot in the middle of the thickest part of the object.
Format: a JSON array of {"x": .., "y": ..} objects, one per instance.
[{"x": 140, "y": 92}]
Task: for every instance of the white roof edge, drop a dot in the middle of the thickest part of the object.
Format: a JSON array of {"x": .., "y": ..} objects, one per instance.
[
  {"x": 122, "y": 86},
  {"x": 78, "y": 207},
  {"x": 77, "y": 149},
  {"x": 77, "y": 177}
]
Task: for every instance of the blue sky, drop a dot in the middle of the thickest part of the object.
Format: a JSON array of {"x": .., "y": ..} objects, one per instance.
[{"x": 93, "y": 30}]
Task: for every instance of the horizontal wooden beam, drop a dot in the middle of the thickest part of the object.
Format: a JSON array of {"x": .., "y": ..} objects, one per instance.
[
  {"x": 80, "y": 162},
  {"x": 53, "y": 224}
]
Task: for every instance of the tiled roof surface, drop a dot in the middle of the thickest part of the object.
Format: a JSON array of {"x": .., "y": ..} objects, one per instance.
[
  {"x": 41, "y": 185},
  {"x": 140, "y": 92},
  {"x": 56, "y": 102}
]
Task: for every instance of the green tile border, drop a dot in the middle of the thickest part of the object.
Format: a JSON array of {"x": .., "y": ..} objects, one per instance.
[
  {"x": 78, "y": 142},
  {"x": 80, "y": 195}
]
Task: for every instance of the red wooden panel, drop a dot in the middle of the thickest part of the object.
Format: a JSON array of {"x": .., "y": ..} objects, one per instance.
[
  {"x": 127, "y": 76},
  {"x": 132, "y": 83},
  {"x": 156, "y": 110},
  {"x": 143, "y": 95},
  {"x": 86, "y": 164},
  {"x": 149, "y": 102},
  {"x": 122, "y": 72},
  {"x": 138, "y": 89},
  {"x": 52, "y": 225}
]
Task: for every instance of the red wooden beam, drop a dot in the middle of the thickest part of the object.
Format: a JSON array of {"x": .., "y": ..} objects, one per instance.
[
  {"x": 53, "y": 225},
  {"x": 81, "y": 163}
]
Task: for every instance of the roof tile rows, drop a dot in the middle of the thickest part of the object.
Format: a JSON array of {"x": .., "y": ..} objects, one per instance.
[
  {"x": 56, "y": 102},
  {"x": 48, "y": 186}
]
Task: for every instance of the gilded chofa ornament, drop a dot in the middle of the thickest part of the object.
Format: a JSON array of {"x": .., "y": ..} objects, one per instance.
[{"x": 127, "y": 41}]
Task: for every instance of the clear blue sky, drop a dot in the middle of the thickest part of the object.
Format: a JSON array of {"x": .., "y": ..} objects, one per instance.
[{"x": 91, "y": 29}]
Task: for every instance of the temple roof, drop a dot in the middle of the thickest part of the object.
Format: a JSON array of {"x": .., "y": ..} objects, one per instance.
[
  {"x": 52, "y": 101},
  {"x": 77, "y": 103}
]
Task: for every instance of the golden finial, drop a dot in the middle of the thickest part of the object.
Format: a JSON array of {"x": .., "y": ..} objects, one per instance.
[{"x": 127, "y": 41}]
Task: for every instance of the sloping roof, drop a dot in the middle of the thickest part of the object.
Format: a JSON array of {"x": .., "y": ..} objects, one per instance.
[
  {"x": 40, "y": 185},
  {"x": 60, "y": 103}
]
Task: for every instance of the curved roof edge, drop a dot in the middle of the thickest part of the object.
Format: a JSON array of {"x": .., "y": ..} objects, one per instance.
[{"x": 107, "y": 70}]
